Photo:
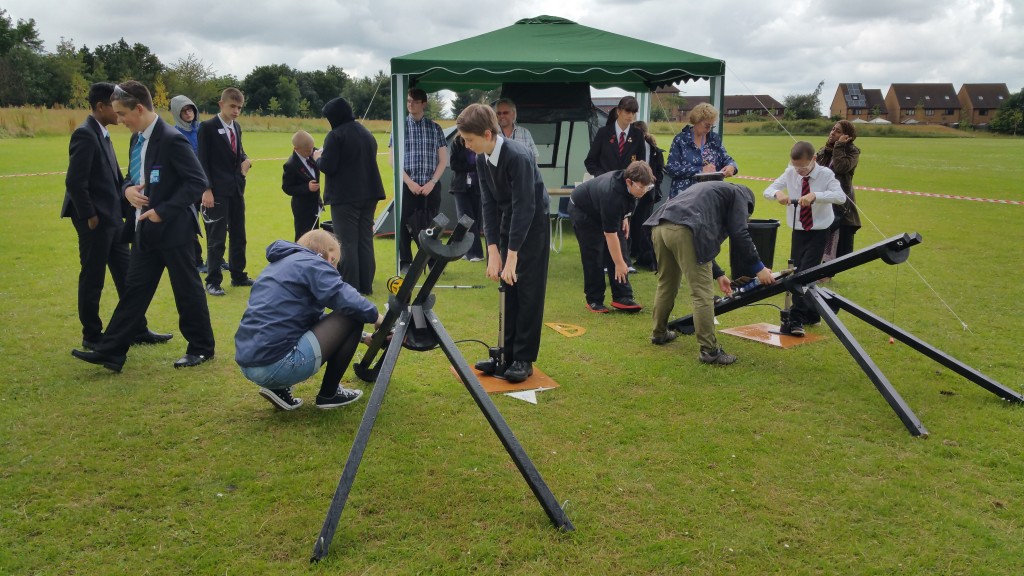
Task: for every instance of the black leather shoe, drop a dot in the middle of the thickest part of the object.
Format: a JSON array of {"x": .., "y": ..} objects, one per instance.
[
  {"x": 243, "y": 283},
  {"x": 91, "y": 344},
  {"x": 108, "y": 361},
  {"x": 519, "y": 371},
  {"x": 150, "y": 337},
  {"x": 190, "y": 360}
]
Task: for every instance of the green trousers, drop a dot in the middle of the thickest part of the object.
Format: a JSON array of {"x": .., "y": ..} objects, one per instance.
[{"x": 677, "y": 259}]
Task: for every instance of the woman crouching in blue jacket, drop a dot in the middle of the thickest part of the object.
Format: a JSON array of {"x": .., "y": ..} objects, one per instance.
[{"x": 285, "y": 337}]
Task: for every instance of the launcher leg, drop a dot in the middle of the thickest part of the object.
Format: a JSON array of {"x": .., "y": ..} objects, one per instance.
[
  {"x": 355, "y": 456},
  {"x": 927, "y": 349},
  {"x": 896, "y": 402}
]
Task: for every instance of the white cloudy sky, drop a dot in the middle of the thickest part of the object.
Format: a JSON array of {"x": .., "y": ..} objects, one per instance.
[{"x": 776, "y": 47}]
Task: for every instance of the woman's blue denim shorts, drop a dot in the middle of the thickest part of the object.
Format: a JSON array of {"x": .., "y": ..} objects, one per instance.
[{"x": 297, "y": 365}]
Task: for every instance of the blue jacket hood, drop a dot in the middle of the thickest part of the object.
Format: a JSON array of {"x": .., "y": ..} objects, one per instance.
[{"x": 281, "y": 249}]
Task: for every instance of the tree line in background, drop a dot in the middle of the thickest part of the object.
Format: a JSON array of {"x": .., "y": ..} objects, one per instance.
[{"x": 29, "y": 75}]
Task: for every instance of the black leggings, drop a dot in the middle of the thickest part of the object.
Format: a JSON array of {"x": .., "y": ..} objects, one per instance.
[{"x": 338, "y": 336}]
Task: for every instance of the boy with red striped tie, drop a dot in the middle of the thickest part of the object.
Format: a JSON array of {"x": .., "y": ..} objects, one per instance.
[{"x": 807, "y": 190}]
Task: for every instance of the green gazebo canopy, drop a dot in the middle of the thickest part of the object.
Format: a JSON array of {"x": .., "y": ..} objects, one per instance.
[{"x": 551, "y": 49}]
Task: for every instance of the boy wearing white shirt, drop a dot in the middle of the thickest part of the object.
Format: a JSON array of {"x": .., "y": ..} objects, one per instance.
[{"x": 807, "y": 190}]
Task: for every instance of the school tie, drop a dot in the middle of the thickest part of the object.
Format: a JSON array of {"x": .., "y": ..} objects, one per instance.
[
  {"x": 622, "y": 144},
  {"x": 111, "y": 155},
  {"x": 806, "y": 218},
  {"x": 135, "y": 161},
  {"x": 231, "y": 137}
]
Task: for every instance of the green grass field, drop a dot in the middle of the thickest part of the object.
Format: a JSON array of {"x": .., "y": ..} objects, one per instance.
[{"x": 788, "y": 462}]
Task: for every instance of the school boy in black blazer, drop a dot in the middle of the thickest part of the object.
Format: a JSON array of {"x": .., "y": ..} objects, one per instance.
[
  {"x": 514, "y": 202},
  {"x": 169, "y": 181},
  {"x": 301, "y": 181},
  {"x": 93, "y": 201},
  {"x": 225, "y": 163}
]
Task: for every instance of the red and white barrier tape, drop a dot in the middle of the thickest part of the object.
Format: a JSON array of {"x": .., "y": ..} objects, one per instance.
[{"x": 911, "y": 193}]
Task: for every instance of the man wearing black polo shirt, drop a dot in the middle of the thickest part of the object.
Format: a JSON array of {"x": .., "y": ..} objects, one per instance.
[{"x": 599, "y": 208}]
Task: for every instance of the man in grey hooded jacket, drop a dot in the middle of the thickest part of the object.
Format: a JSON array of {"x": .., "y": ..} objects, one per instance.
[{"x": 186, "y": 120}]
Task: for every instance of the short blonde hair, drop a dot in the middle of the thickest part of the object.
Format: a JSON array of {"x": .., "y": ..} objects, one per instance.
[
  {"x": 301, "y": 139},
  {"x": 702, "y": 113},
  {"x": 320, "y": 241}
]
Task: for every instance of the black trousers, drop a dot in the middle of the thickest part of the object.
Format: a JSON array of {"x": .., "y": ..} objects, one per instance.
[
  {"x": 596, "y": 259},
  {"x": 144, "y": 273},
  {"x": 304, "y": 211},
  {"x": 807, "y": 250},
  {"x": 524, "y": 301},
  {"x": 641, "y": 248},
  {"x": 845, "y": 244},
  {"x": 468, "y": 204},
  {"x": 410, "y": 203},
  {"x": 353, "y": 226},
  {"x": 227, "y": 220},
  {"x": 98, "y": 250}
]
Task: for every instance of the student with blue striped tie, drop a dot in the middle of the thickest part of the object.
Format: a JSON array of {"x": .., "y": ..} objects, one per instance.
[{"x": 165, "y": 181}]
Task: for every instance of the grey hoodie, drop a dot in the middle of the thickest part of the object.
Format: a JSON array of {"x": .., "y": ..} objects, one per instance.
[{"x": 178, "y": 103}]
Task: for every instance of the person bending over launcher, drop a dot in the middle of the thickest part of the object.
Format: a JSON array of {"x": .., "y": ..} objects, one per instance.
[{"x": 687, "y": 233}]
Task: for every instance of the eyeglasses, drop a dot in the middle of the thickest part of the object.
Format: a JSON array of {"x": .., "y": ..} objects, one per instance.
[{"x": 206, "y": 217}]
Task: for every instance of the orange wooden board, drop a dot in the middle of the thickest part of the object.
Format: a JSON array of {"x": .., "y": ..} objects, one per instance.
[
  {"x": 498, "y": 386},
  {"x": 767, "y": 334}
]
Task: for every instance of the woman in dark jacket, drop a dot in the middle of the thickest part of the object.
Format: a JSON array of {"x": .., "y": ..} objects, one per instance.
[
  {"x": 466, "y": 190},
  {"x": 841, "y": 156},
  {"x": 352, "y": 188}
]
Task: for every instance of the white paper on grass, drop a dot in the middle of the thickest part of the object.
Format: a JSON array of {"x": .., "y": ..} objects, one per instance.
[{"x": 526, "y": 395}]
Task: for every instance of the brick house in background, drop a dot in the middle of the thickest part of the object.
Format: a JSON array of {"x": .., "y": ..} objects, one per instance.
[
  {"x": 922, "y": 103},
  {"x": 738, "y": 106},
  {"x": 981, "y": 101},
  {"x": 853, "y": 102}
]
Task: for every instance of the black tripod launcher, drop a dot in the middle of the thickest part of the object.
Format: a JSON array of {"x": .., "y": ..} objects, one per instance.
[
  {"x": 417, "y": 327},
  {"x": 895, "y": 250}
]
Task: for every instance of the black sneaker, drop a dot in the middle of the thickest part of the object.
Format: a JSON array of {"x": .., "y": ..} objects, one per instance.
[
  {"x": 597, "y": 308},
  {"x": 281, "y": 398},
  {"x": 627, "y": 305},
  {"x": 796, "y": 329},
  {"x": 519, "y": 371},
  {"x": 214, "y": 290},
  {"x": 243, "y": 282},
  {"x": 717, "y": 357},
  {"x": 342, "y": 397},
  {"x": 669, "y": 336}
]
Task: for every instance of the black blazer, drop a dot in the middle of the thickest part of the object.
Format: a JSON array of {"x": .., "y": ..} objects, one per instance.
[
  {"x": 604, "y": 150},
  {"x": 223, "y": 168},
  {"x": 349, "y": 161},
  {"x": 93, "y": 183},
  {"x": 296, "y": 177},
  {"x": 175, "y": 182}
]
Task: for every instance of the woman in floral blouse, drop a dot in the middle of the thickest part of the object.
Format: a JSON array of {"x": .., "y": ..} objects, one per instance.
[{"x": 697, "y": 149}]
